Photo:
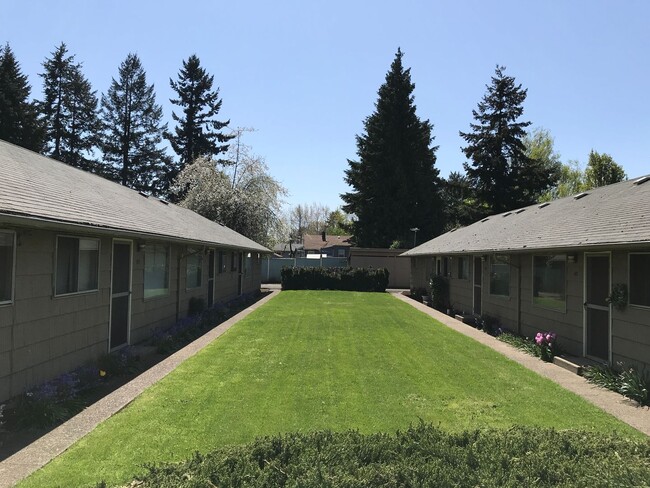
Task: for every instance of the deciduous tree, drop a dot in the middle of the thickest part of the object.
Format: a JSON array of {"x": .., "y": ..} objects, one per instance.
[
  {"x": 249, "y": 203},
  {"x": 132, "y": 131},
  {"x": 602, "y": 170},
  {"x": 395, "y": 184}
]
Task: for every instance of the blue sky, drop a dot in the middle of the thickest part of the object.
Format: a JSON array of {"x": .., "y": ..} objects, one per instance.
[{"x": 305, "y": 73}]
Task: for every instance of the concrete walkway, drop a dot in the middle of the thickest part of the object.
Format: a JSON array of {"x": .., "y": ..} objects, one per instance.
[
  {"x": 612, "y": 403},
  {"x": 42, "y": 451}
]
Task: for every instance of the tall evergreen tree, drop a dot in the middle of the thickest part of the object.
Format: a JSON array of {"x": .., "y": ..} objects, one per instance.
[
  {"x": 500, "y": 172},
  {"x": 68, "y": 111},
  {"x": 395, "y": 182},
  {"x": 132, "y": 131},
  {"x": 197, "y": 132},
  {"x": 18, "y": 115}
]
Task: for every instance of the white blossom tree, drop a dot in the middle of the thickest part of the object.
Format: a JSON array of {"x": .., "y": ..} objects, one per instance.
[{"x": 241, "y": 196}]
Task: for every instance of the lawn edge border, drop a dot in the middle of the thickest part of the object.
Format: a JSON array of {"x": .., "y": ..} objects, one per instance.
[{"x": 23, "y": 463}]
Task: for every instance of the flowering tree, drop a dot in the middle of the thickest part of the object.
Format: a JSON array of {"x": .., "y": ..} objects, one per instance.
[{"x": 241, "y": 195}]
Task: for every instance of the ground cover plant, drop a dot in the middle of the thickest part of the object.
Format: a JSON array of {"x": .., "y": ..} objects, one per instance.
[
  {"x": 317, "y": 360},
  {"x": 629, "y": 382},
  {"x": 421, "y": 455}
]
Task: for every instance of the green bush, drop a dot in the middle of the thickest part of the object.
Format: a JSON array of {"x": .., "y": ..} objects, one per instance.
[
  {"x": 420, "y": 456},
  {"x": 439, "y": 286},
  {"x": 349, "y": 279}
]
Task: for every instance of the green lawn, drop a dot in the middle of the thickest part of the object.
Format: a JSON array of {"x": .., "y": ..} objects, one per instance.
[{"x": 316, "y": 360}]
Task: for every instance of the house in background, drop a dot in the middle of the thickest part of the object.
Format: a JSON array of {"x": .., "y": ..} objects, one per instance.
[
  {"x": 553, "y": 266},
  {"x": 289, "y": 250},
  {"x": 327, "y": 245},
  {"x": 88, "y": 266}
]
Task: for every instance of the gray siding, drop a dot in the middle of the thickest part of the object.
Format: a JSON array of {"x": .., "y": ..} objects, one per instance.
[
  {"x": 630, "y": 328},
  {"x": 42, "y": 335}
]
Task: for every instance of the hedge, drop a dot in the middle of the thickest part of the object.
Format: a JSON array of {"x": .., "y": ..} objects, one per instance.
[
  {"x": 350, "y": 279},
  {"x": 420, "y": 456}
]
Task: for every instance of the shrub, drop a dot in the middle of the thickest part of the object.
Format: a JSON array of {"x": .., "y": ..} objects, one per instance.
[
  {"x": 439, "y": 286},
  {"x": 349, "y": 279},
  {"x": 627, "y": 381},
  {"x": 418, "y": 292},
  {"x": 419, "y": 456}
]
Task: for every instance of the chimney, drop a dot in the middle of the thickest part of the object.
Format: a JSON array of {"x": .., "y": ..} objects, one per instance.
[{"x": 324, "y": 236}]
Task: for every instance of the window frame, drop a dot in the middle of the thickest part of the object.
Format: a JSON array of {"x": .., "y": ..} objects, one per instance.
[
  {"x": 56, "y": 264},
  {"x": 198, "y": 254},
  {"x": 13, "y": 267},
  {"x": 532, "y": 288},
  {"x": 460, "y": 276},
  {"x": 144, "y": 272},
  {"x": 493, "y": 259},
  {"x": 629, "y": 280}
]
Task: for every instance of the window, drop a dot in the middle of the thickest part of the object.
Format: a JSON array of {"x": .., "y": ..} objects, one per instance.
[
  {"x": 221, "y": 262},
  {"x": 194, "y": 270},
  {"x": 500, "y": 276},
  {"x": 7, "y": 247},
  {"x": 549, "y": 282},
  {"x": 640, "y": 279},
  {"x": 77, "y": 265},
  {"x": 463, "y": 268},
  {"x": 233, "y": 261},
  {"x": 445, "y": 267},
  {"x": 156, "y": 270}
]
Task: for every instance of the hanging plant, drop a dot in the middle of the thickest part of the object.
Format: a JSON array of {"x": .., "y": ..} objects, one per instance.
[{"x": 618, "y": 296}]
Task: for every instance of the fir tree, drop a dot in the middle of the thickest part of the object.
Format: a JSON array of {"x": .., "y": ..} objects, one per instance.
[
  {"x": 68, "y": 111},
  {"x": 132, "y": 132},
  {"x": 18, "y": 116},
  {"x": 502, "y": 175},
  {"x": 395, "y": 182},
  {"x": 197, "y": 132}
]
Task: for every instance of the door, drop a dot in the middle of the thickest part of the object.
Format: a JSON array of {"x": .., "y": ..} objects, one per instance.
[
  {"x": 478, "y": 280},
  {"x": 210, "y": 278},
  {"x": 120, "y": 295},
  {"x": 597, "y": 310}
]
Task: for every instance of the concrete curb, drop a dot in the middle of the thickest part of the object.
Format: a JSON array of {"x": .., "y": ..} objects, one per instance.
[
  {"x": 620, "y": 407},
  {"x": 36, "y": 455}
]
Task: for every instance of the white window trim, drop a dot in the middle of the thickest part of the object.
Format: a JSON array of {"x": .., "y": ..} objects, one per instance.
[
  {"x": 532, "y": 284},
  {"x": 629, "y": 282},
  {"x": 169, "y": 258},
  {"x": 13, "y": 268},
  {"x": 56, "y": 261}
]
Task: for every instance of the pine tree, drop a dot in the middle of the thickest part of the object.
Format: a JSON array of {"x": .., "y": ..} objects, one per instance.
[
  {"x": 502, "y": 175},
  {"x": 395, "y": 182},
  {"x": 18, "y": 116},
  {"x": 68, "y": 111},
  {"x": 197, "y": 132},
  {"x": 132, "y": 132}
]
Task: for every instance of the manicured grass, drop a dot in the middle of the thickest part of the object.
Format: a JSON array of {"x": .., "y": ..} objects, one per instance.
[{"x": 321, "y": 360}]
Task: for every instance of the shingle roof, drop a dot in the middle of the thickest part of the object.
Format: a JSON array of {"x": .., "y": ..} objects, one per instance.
[
  {"x": 33, "y": 186},
  {"x": 613, "y": 215},
  {"x": 315, "y": 241}
]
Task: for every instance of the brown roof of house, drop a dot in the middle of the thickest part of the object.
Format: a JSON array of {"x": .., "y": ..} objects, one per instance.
[
  {"x": 609, "y": 216},
  {"x": 36, "y": 187},
  {"x": 312, "y": 242}
]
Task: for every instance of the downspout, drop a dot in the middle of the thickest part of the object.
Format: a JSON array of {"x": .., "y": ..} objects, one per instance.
[{"x": 519, "y": 297}]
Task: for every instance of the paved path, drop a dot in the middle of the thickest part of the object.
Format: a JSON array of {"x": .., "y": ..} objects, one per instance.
[
  {"x": 613, "y": 403},
  {"x": 42, "y": 451}
]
